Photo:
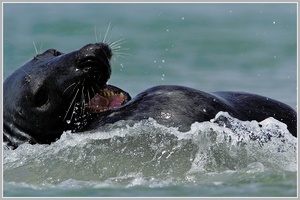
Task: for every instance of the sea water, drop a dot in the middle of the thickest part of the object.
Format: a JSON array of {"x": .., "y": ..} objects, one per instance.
[
  {"x": 237, "y": 47},
  {"x": 247, "y": 158}
]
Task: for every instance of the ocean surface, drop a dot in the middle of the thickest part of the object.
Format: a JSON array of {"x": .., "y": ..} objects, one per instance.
[{"x": 212, "y": 47}]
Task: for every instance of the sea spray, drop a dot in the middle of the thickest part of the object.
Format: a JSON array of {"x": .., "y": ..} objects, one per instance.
[{"x": 224, "y": 150}]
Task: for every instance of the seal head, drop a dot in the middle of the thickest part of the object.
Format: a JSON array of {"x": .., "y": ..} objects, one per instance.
[{"x": 49, "y": 94}]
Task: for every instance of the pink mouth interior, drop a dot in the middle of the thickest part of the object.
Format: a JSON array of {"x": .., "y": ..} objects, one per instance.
[{"x": 105, "y": 100}]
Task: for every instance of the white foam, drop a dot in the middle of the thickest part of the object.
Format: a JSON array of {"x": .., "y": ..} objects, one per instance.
[{"x": 147, "y": 153}]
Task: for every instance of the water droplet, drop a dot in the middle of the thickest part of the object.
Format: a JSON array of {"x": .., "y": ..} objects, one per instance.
[
  {"x": 274, "y": 22},
  {"x": 163, "y": 61},
  {"x": 182, "y": 18}
]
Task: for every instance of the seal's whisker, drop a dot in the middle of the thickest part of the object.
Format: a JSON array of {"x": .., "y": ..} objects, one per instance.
[
  {"x": 82, "y": 100},
  {"x": 117, "y": 43},
  {"x": 120, "y": 54},
  {"x": 88, "y": 96},
  {"x": 69, "y": 88},
  {"x": 118, "y": 50},
  {"x": 41, "y": 47},
  {"x": 93, "y": 90},
  {"x": 93, "y": 80},
  {"x": 36, "y": 51},
  {"x": 109, "y": 28},
  {"x": 72, "y": 102},
  {"x": 73, "y": 112},
  {"x": 35, "y": 48},
  {"x": 95, "y": 31}
]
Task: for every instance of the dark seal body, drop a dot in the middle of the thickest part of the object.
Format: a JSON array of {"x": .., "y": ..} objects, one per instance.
[
  {"x": 179, "y": 106},
  {"x": 55, "y": 92}
]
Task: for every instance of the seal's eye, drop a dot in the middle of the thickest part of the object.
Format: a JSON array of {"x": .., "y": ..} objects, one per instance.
[{"x": 41, "y": 97}]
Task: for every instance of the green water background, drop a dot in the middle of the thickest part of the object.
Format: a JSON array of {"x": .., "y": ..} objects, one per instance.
[{"x": 241, "y": 47}]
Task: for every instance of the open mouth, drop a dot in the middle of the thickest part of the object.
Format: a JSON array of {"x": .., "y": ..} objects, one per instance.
[{"x": 107, "y": 98}]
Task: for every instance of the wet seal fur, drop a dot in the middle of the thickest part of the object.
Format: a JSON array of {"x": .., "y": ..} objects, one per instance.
[{"x": 55, "y": 92}]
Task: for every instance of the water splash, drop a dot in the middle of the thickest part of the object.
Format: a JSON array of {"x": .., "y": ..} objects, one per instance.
[{"x": 148, "y": 153}]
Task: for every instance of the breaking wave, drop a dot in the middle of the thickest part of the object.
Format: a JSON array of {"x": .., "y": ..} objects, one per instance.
[{"x": 149, "y": 154}]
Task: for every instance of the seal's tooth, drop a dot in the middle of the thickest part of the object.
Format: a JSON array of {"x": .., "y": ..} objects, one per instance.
[
  {"x": 121, "y": 95},
  {"x": 105, "y": 94}
]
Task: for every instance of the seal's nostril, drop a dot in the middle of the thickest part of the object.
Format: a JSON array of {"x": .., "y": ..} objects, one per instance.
[
  {"x": 86, "y": 64},
  {"x": 88, "y": 59},
  {"x": 86, "y": 69}
]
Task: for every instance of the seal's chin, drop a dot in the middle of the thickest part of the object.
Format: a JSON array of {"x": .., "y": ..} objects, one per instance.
[{"x": 106, "y": 99}]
